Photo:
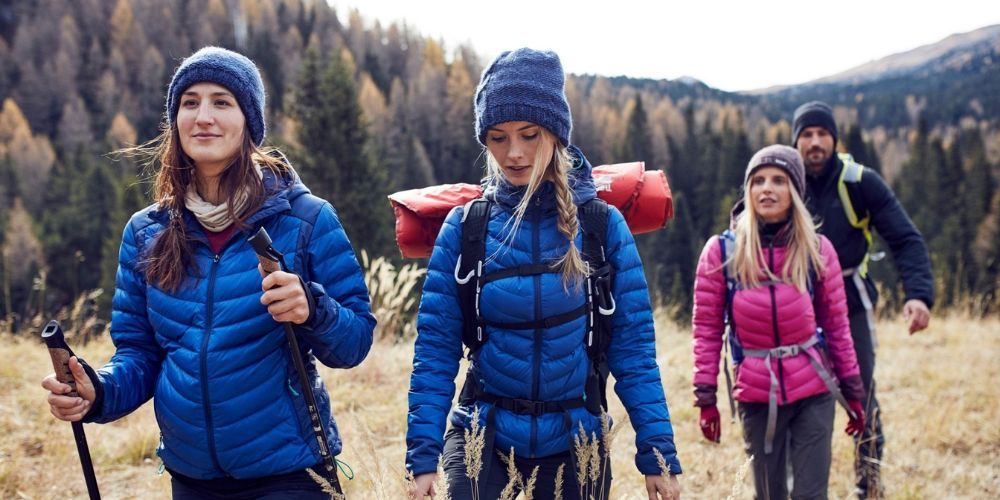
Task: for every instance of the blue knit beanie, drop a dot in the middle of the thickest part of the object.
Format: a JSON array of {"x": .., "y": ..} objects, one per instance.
[
  {"x": 813, "y": 114},
  {"x": 523, "y": 85},
  {"x": 229, "y": 69}
]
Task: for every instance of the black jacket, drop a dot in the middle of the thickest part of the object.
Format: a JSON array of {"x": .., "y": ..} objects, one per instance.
[{"x": 872, "y": 195}]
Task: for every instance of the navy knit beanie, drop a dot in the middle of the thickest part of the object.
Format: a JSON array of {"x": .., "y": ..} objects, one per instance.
[
  {"x": 523, "y": 85},
  {"x": 783, "y": 157},
  {"x": 229, "y": 69},
  {"x": 813, "y": 114}
]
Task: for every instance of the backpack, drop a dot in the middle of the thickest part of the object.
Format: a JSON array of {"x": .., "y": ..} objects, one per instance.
[{"x": 598, "y": 308}]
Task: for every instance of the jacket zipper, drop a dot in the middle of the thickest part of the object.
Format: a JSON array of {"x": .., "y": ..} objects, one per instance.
[
  {"x": 209, "y": 425},
  {"x": 537, "y": 368},
  {"x": 774, "y": 320}
]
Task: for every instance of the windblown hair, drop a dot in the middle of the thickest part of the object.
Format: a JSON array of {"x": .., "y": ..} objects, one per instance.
[
  {"x": 554, "y": 166},
  {"x": 170, "y": 259},
  {"x": 749, "y": 261}
]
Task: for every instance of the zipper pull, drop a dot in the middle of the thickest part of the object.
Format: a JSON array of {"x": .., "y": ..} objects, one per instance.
[{"x": 216, "y": 259}]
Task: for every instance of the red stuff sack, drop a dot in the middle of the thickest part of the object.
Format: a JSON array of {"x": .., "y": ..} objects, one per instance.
[
  {"x": 643, "y": 197},
  {"x": 420, "y": 213}
]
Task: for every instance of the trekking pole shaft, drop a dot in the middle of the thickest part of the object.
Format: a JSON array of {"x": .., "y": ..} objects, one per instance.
[
  {"x": 85, "y": 463},
  {"x": 60, "y": 353},
  {"x": 271, "y": 261}
]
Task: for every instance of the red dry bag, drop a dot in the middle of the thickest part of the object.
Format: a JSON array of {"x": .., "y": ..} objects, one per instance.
[{"x": 643, "y": 197}]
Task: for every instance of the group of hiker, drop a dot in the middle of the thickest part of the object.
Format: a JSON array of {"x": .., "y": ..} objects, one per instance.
[{"x": 538, "y": 281}]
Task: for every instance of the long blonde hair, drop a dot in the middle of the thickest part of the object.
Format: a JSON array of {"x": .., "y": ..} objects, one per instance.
[
  {"x": 554, "y": 167},
  {"x": 802, "y": 250}
]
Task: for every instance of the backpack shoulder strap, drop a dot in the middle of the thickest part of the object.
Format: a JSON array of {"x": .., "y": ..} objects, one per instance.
[
  {"x": 594, "y": 223},
  {"x": 469, "y": 270},
  {"x": 727, "y": 245},
  {"x": 850, "y": 179},
  {"x": 593, "y": 216}
]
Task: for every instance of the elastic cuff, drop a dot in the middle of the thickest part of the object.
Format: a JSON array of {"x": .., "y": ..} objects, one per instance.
[
  {"x": 311, "y": 300},
  {"x": 98, "y": 403},
  {"x": 704, "y": 395}
]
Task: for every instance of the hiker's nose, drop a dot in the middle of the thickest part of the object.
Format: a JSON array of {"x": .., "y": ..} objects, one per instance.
[{"x": 516, "y": 151}]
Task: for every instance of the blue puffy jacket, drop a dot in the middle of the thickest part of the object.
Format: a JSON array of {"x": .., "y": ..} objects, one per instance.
[
  {"x": 546, "y": 364},
  {"x": 225, "y": 392}
]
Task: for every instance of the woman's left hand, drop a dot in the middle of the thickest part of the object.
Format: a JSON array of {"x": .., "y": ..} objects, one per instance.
[
  {"x": 660, "y": 487},
  {"x": 284, "y": 297}
]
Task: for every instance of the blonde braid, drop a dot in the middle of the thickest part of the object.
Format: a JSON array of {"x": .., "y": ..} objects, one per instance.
[{"x": 573, "y": 267}]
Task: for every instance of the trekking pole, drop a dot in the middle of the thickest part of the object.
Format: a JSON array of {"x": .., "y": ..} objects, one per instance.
[
  {"x": 60, "y": 353},
  {"x": 272, "y": 260}
]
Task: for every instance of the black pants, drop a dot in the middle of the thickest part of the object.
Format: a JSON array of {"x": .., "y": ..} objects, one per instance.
[
  {"x": 803, "y": 434},
  {"x": 294, "y": 485},
  {"x": 493, "y": 481},
  {"x": 869, "y": 445}
]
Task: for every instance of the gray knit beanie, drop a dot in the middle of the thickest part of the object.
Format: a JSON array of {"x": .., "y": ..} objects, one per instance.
[{"x": 783, "y": 157}]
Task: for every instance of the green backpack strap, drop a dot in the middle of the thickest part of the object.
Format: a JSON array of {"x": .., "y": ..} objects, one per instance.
[{"x": 851, "y": 173}]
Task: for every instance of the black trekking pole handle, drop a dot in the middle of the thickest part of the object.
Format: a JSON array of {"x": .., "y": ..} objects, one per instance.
[
  {"x": 60, "y": 353},
  {"x": 272, "y": 260}
]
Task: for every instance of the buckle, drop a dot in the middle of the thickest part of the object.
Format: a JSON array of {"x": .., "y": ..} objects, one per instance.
[
  {"x": 785, "y": 351},
  {"x": 602, "y": 288},
  {"x": 528, "y": 407}
]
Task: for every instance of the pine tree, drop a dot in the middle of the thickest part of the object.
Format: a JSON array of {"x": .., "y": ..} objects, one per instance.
[
  {"x": 637, "y": 145},
  {"x": 334, "y": 156}
]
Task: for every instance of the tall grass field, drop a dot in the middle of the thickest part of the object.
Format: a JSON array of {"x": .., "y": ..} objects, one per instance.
[{"x": 939, "y": 389}]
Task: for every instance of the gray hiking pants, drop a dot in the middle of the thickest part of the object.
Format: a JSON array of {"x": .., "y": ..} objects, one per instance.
[{"x": 802, "y": 437}]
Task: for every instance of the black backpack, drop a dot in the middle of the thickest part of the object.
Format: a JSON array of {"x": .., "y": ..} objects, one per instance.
[{"x": 593, "y": 216}]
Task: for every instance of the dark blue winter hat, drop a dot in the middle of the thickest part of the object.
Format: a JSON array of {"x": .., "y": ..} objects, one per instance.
[
  {"x": 813, "y": 114},
  {"x": 523, "y": 85},
  {"x": 231, "y": 70}
]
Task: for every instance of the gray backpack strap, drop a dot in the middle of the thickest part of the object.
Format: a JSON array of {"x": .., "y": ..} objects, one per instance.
[{"x": 787, "y": 351}]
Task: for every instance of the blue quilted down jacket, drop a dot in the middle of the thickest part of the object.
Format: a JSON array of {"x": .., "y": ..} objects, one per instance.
[
  {"x": 539, "y": 364},
  {"x": 225, "y": 392}
]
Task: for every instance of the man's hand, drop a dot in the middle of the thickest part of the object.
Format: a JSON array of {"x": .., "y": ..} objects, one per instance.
[
  {"x": 916, "y": 314},
  {"x": 660, "y": 487}
]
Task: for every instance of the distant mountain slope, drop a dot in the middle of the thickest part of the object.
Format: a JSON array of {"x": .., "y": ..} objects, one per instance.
[{"x": 946, "y": 81}]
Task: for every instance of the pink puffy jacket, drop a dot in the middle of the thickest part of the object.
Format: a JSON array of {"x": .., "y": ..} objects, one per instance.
[{"x": 770, "y": 316}]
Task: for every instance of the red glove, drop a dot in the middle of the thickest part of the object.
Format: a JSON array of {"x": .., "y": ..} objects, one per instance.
[
  {"x": 711, "y": 424},
  {"x": 856, "y": 425}
]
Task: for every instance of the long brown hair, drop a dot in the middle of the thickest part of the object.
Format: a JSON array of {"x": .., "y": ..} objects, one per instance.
[
  {"x": 554, "y": 167},
  {"x": 170, "y": 258}
]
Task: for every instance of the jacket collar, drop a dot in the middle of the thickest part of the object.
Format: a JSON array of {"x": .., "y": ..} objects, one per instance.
[
  {"x": 280, "y": 189},
  {"x": 581, "y": 182}
]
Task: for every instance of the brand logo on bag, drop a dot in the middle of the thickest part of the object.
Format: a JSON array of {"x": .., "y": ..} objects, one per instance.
[{"x": 602, "y": 182}]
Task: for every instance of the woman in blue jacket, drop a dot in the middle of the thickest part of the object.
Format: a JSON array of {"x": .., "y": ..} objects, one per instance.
[
  {"x": 192, "y": 329},
  {"x": 527, "y": 380}
]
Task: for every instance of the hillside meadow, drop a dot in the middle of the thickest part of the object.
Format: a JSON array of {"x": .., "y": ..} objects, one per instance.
[{"x": 938, "y": 390}]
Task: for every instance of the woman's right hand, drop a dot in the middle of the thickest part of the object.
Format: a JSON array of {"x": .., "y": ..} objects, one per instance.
[
  {"x": 423, "y": 486},
  {"x": 70, "y": 408}
]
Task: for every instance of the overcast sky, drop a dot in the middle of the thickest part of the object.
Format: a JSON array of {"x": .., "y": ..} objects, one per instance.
[{"x": 731, "y": 45}]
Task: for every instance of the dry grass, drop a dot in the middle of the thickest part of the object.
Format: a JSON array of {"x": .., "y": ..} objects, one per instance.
[{"x": 939, "y": 391}]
